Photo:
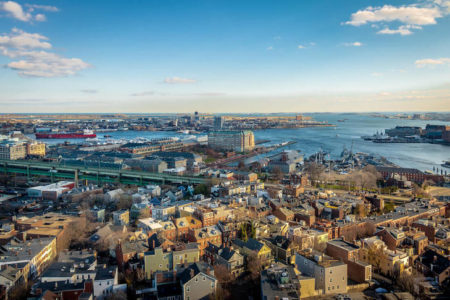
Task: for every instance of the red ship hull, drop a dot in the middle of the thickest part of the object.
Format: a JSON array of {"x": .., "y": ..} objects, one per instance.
[{"x": 64, "y": 136}]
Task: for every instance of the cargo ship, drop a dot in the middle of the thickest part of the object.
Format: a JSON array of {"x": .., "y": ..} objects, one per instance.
[{"x": 66, "y": 135}]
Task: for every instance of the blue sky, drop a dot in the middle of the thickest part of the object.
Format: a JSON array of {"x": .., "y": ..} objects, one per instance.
[{"x": 224, "y": 56}]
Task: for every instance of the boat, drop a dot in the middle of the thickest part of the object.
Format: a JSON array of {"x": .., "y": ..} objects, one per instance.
[
  {"x": 379, "y": 136},
  {"x": 446, "y": 164},
  {"x": 107, "y": 136},
  {"x": 87, "y": 133}
]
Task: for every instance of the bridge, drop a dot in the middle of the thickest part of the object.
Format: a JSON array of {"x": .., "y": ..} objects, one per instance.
[{"x": 57, "y": 171}]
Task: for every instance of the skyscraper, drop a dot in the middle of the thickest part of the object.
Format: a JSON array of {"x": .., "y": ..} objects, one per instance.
[{"x": 218, "y": 122}]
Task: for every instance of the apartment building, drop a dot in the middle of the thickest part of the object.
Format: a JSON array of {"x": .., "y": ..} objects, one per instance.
[
  {"x": 330, "y": 274},
  {"x": 239, "y": 141}
]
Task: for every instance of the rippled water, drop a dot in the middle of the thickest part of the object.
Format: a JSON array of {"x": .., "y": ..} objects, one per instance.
[{"x": 334, "y": 139}]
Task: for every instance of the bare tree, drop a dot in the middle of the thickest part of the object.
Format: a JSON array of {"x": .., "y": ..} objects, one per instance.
[
  {"x": 223, "y": 274},
  {"x": 314, "y": 171},
  {"x": 360, "y": 210},
  {"x": 124, "y": 202},
  {"x": 118, "y": 295},
  {"x": 407, "y": 281},
  {"x": 364, "y": 179},
  {"x": 144, "y": 213},
  {"x": 254, "y": 265},
  {"x": 375, "y": 255},
  {"x": 278, "y": 174}
]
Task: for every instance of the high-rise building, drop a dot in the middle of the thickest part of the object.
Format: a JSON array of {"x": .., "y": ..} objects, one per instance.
[
  {"x": 232, "y": 140},
  {"x": 218, "y": 122}
]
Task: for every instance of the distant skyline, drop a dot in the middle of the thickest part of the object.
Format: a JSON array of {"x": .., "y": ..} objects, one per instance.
[{"x": 224, "y": 56}]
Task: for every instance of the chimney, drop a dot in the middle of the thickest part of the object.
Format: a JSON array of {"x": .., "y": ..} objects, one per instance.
[
  {"x": 192, "y": 273},
  {"x": 435, "y": 258},
  {"x": 153, "y": 244}
]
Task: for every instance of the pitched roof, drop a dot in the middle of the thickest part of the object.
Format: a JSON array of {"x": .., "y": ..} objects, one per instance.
[
  {"x": 193, "y": 269},
  {"x": 251, "y": 244}
]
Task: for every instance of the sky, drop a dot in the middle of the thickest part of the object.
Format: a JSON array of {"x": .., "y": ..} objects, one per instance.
[{"x": 158, "y": 56}]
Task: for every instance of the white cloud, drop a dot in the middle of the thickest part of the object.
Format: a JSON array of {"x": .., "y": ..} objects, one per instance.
[
  {"x": 402, "y": 30},
  {"x": 34, "y": 61},
  {"x": 406, "y": 14},
  {"x": 15, "y": 10},
  {"x": 376, "y": 74},
  {"x": 432, "y": 62},
  {"x": 19, "y": 39},
  {"x": 46, "y": 64},
  {"x": 49, "y": 8},
  {"x": 40, "y": 18},
  {"x": 178, "y": 80},
  {"x": 270, "y": 48},
  {"x": 304, "y": 46},
  {"x": 353, "y": 44},
  {"x": 412, "y": 16}
]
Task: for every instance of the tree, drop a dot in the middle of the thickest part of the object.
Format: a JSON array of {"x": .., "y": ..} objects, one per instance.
[
  {"x": 224, "y": 277},
  {"x": 254, "y": 265},
  {"x": 407, "y": 281},
  {"x": 375, "y": 255},
  {"x": 75, "y": 232},
  {"x": 277, "y": 173},
  {"x": 202, "y": 189},
  {"x": 365, "y": 178},
  {"x": 360, "y": 210},
  {"x": 314, "y": 171},
  {"x": 125, "y": 202},
  {"x": 145, "y": 213},
  {"x": 118, "y": 295},
  {"x": 252, "y": 230},
  {"x": 244, "y": 236},
  {"x": 20, "y": 291}
]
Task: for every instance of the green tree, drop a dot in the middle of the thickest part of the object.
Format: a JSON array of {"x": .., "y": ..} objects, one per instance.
[{"x": 244, "y": 236}]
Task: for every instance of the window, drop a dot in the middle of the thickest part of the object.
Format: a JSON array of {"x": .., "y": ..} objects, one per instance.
[
  {"x": 160, "y": 265},
  {"x": 204, "y": 278},
  {"x": 331, "y": 279},
  {"x": 212, "y": 285},
  {"x": 187, "y": 288}
]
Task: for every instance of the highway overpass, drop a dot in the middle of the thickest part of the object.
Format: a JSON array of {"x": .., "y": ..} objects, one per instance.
[{"x": 58, "y": 171}]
